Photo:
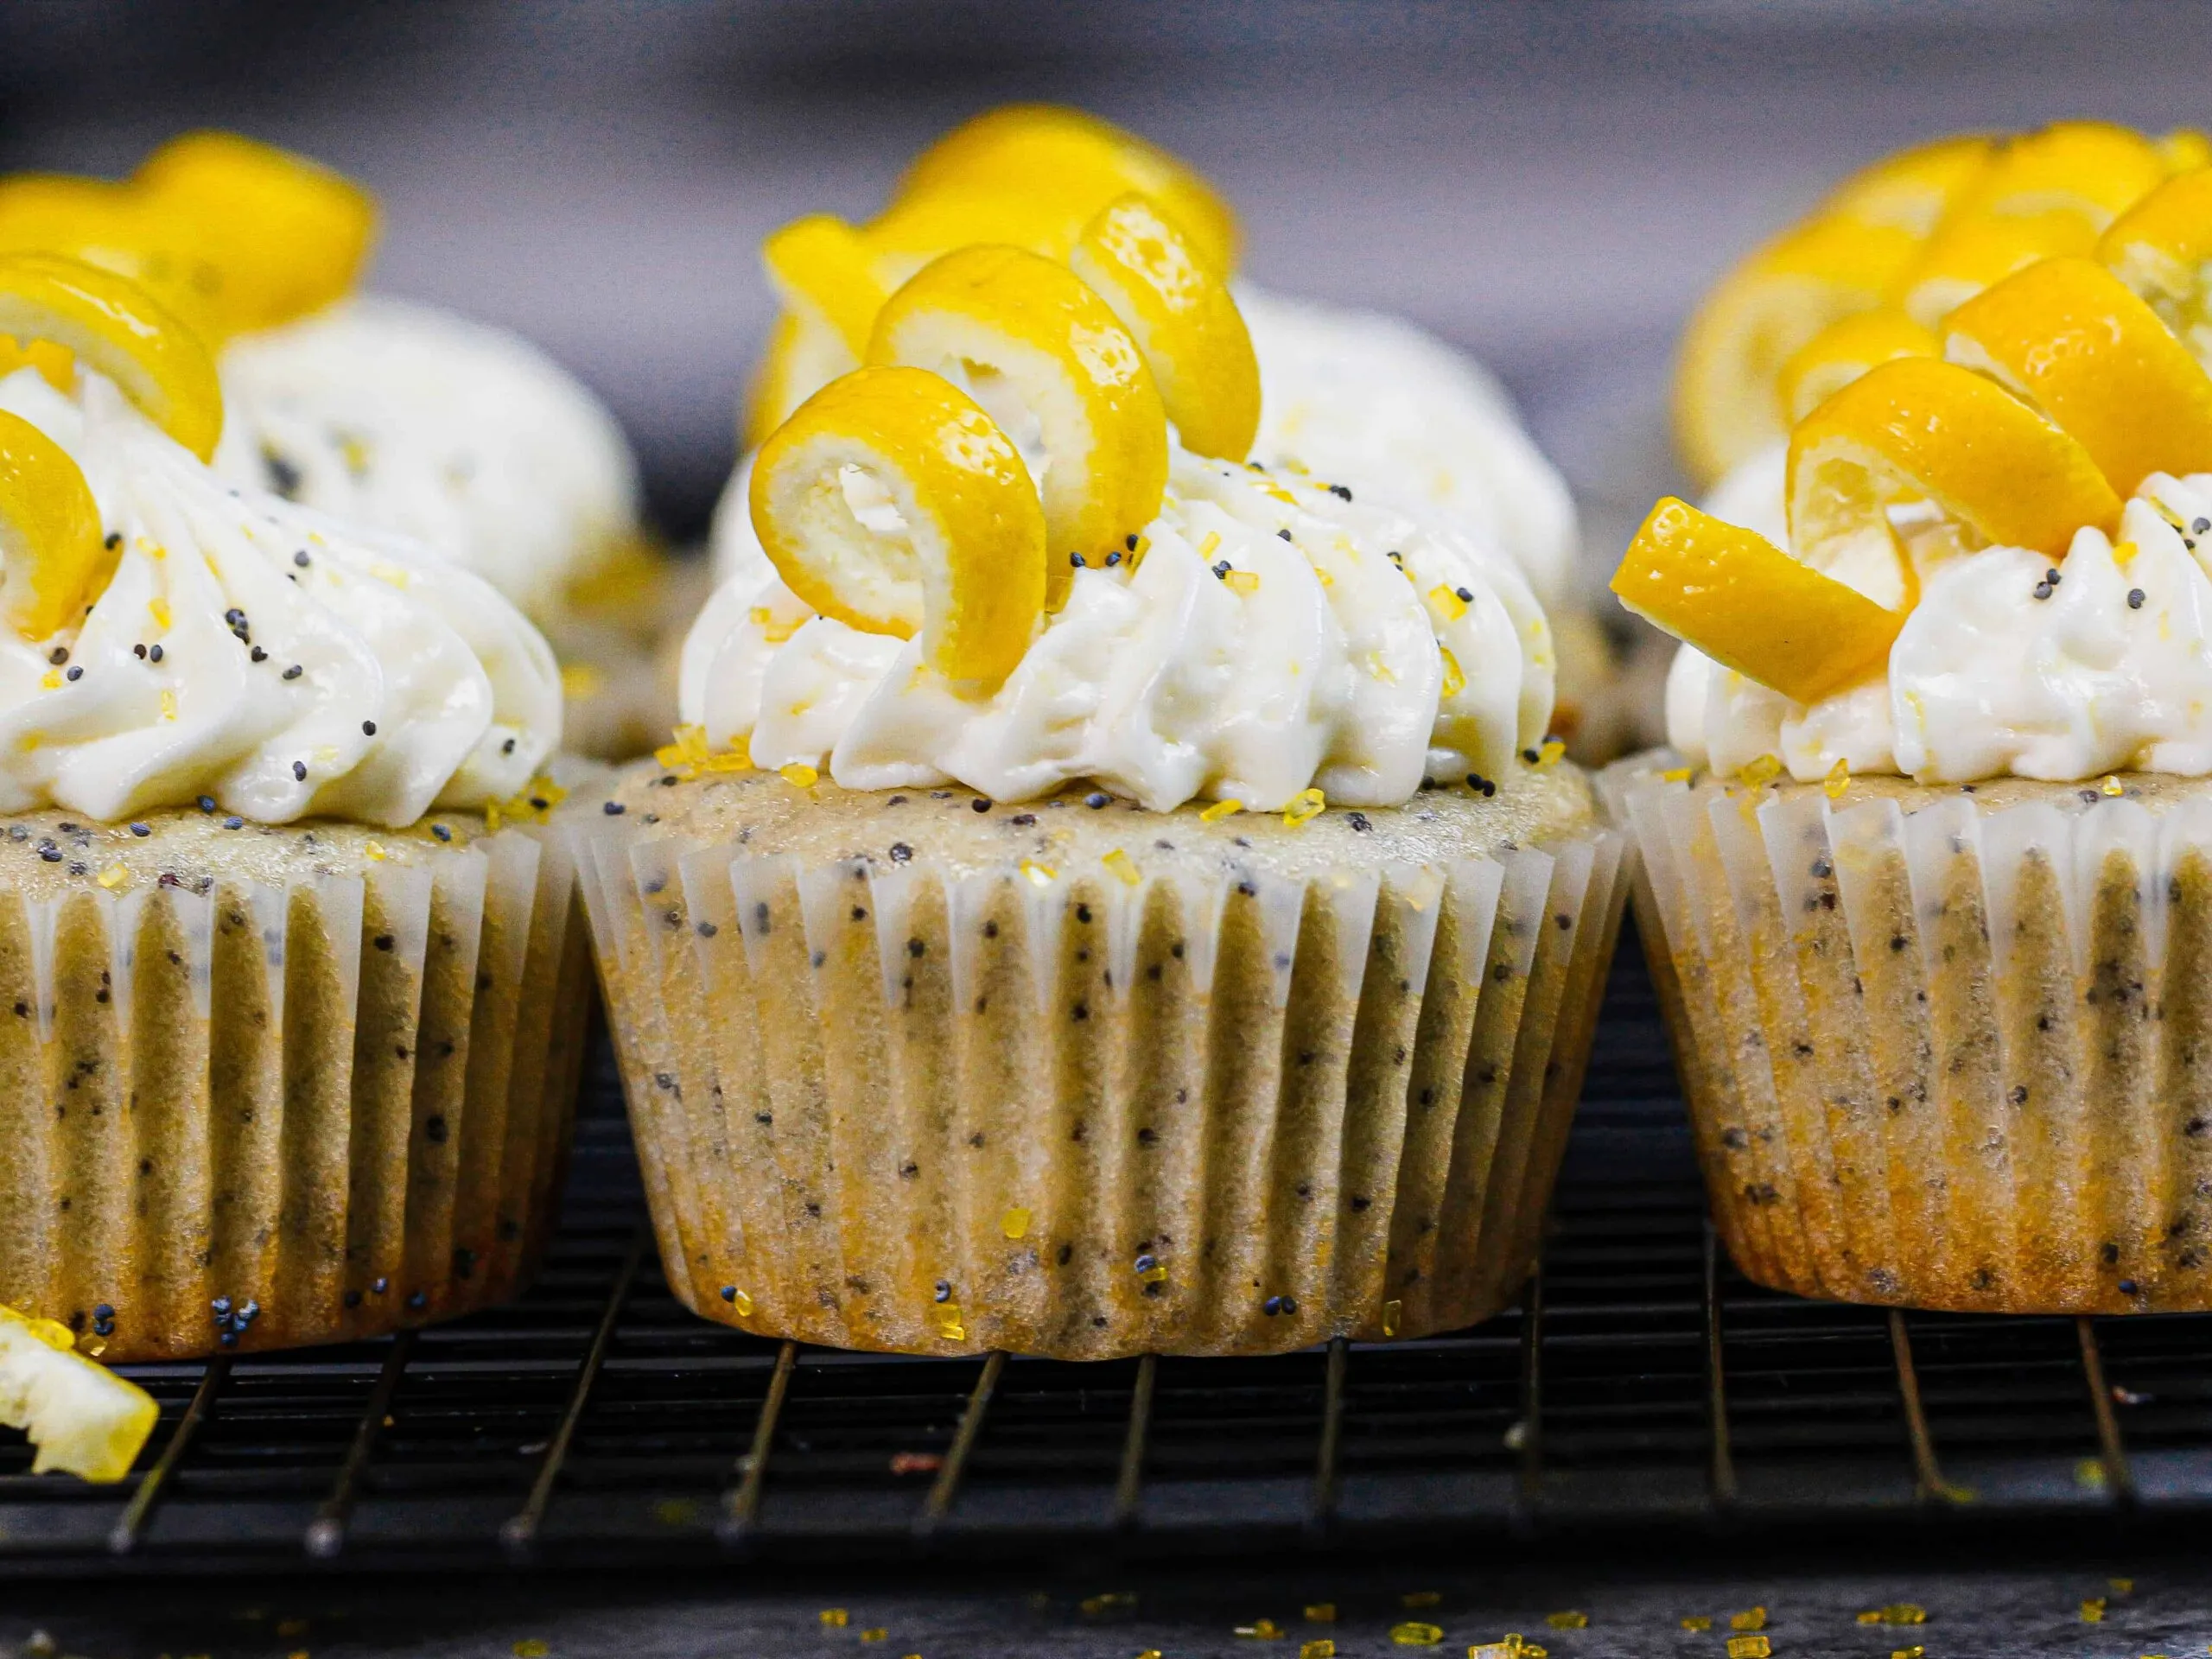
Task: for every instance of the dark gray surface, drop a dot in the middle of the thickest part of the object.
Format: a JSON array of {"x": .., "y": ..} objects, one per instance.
[{"x": 1633, "y": 1615}]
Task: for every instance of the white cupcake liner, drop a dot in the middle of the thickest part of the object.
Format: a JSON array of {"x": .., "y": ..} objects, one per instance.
[
  {"x": 1956, "y": 1057},
  {"x": 883, "y": 1107},
  {"x": 344, "y": 1103}
]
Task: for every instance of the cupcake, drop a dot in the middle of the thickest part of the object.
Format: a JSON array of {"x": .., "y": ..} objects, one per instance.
[
  {"x": 1347, "y": 394},
  {"x": 296, "y": 1015},
  {"x": 1141, "y": 911},
  {"x": 392, "y": 416},
  {"x": 1926, "y": 880}
]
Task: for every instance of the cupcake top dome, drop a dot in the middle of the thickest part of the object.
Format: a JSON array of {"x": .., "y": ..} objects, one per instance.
[
  {"x": 175, "y": 639},
  {"x": 1994, "y": 557},
  {"x": 399, "y": 417},
  {"x": 984, "y": 556}
]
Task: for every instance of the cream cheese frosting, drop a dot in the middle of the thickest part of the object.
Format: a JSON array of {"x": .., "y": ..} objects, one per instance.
[
  {"x": 1348, "y": 394},
  {"x": 258, "y": 656},
  {"x": 1278, "y": 634},
  {"x": 2007, "y": 666},
  {"x": 405, "y": 418}
]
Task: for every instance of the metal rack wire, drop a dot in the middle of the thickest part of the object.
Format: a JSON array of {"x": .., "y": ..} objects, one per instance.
[{"x": 1639, "y": 1377}]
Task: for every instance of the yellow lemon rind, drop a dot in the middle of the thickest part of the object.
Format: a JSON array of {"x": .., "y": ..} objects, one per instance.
[{"x": 1749, "y": 607}]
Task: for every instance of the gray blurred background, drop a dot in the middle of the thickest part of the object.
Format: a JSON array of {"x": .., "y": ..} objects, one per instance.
[{"x": 1548, "y": 184}]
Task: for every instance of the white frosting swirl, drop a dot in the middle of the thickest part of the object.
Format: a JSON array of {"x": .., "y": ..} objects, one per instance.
[
  {"x": 1166, "y": 682},
  {"x": 1359, "y": 395},
  {"x": 2111, "y": 671},
  {"x": 404, "y": 418},
  {"x": 389, "y": 680}
]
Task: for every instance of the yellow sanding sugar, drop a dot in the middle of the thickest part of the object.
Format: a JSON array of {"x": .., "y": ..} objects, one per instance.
[
  {"x": 1759, "y": 772},
  {"x": 1839, "y": 778},
  {"x": 1241, "y": 582},
  {"x": 799, "y": 775},
  {"x": 1042, "y": 876},
  {"x": 1445, "y": 603},
  {"x": 1569, "y": 1620},
  {"x": 531, "y": 1648},
  {"x": 1700, "y": 1622},
  {"x": 1750, "y": 1647},
  {"x": 1550, "y": 753},
  {"x": 1323, "y": 1648},
  {"x": 1305, "y": 806},
  {"x": 1414, "y": 1634},
  {"x": 1219, "y": 811},
  {"x": 1123, "y": 867},
  {"x": 1265, "y": 1630},
  {"x": 1755, "y": 1619},
  {"x": 1678, "y": 774},
  {"x": 836, "y": 1618},
  {"x": 114, "y": 876},
  {"x": 1015, "y": 1223},
  {"x": 1321, "y": 1612}
]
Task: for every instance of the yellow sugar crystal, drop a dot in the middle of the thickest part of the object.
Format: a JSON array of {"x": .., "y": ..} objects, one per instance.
[
  {"x": 1916, "y": 1651},
  {"x": 1700, "y": 1622},
  {"x": 1839, "y": 778},
  {"x": 743, "y": 1303},
  {"x": 1418, "y": 1599},
  {"x": 158, "y": 608},
  {"x": 1324, "y": 1647},
  {"x": 1550, "y": 753},
  {"x": 376, "y": 852},
  {"x": 1124, "y": 868},
  {"x": 51, "y": 680},
  {"x": 836, "y": 1618},
  {"x": 114, "y": 876},
  {"x": 1445, "y": 603},
  {"x": 1455, "y": 678},
  {"x": 1142, "y": 546},
  {"x": 1753, "y": 1620},
  {"x": 688, "y": 748},
  {"x": 1569, "y": 1620},
  {"x": 1750, "y": 1647},
  {"x": 1305, "y": 806},
  {"x": 492, "y": 819},
  {"x": 2093, "y": 1612},
  {"x": 799, "y": 775},
  {"x": 1241, "y": 582},
  {"x": 1206, "y": 547},
  {"x": 1678, "y": 774},
  {"x": 2123, "y": 553},
  {"x": 772, "y": 630},
  {"x": 530, "y": 1647},
  {"x": 2111, "y": 785},
  {"x": 1903, "y": 1612},
  {"x": 1321, "y": 1612},
  {"x": 1391, "y": 1310},
  {"x": 1265, "y": 1630},
  {"x": 1378, "y": 668},
  {"x": 879, "y": 1634},
  {"x": 2118, "y": 1586},
  {"x": 1042, "y": 876},
  {"x": 396, "y": 576},
  {"x": 168, "y": 705},
  {"x": 1015, "y": 1223},
  {"x": 1219, "y": 811},
  {"x": 737, "y": 759},
  {"x": 1762, "y": 772},
  {"x": 1414, "y": 1634}
]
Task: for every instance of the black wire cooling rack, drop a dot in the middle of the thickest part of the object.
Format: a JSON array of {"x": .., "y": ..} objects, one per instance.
[{"x": 1640, "y": 1379}]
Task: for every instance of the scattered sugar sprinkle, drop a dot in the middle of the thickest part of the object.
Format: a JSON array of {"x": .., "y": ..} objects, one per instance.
[
  {"x": 1220, "y": 809},
  {"x": 1123, "y": 867},
  {"x": 1321, "y": 1648},
  {"x": 799, "y": 775},
  {"x": 1750, "y": 1647},
  {"x": 1305, "y": 806},
  {"x": 1263, "y": 1630},
  {"x": 835, "y": 1618},
  {"x": 1839, "y": 778},
  {"x": 1700, "y": 1622},
  {"x": 1446, "y": 603},
  {"x": 1569, "y": 1620},
  {"x": 1015, "y": 1223},
  {"x": 114, "y": 876},
  {"x": 1042, "y": 875},
  {"x": 1242, "y": 581},
  {"x": 1416, "y": 1634}
]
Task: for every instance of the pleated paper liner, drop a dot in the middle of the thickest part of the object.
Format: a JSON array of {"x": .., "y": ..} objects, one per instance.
[
  {"x": 316, "y": 1100},
  {"x": 1942, "y": 1049},
  {"x": 901, "y": 1104}
]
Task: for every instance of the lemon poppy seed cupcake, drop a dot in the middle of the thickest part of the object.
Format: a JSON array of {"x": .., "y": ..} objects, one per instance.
[
  {"x": 290, "y": 1026},
  {"x": 1141, "y": 912},
  {"x": 1925, "y": 879}
]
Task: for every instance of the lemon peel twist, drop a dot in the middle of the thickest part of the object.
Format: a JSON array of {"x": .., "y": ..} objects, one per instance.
[
  {"x": 119, "y": 229},
  {"x": 2161, "y": 246},
  {"x": 1846, "y": 349},
  {"x": 1050, "y": 152},
  {"x": 50, "y": 543},
  {"x": 114, "y": 325},
  {"x": 822, "y": 266},
  {"x": 964, "y": 564},
  {"x": 1184, "y": 319},
  {"x": 1749, "y": 607},
  {"x": 292, "y": 235},
  {"x": 1920, "y": 431},
  {"x": 1029, "y": 333},
  {"x": 2073, "y": 340}
]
